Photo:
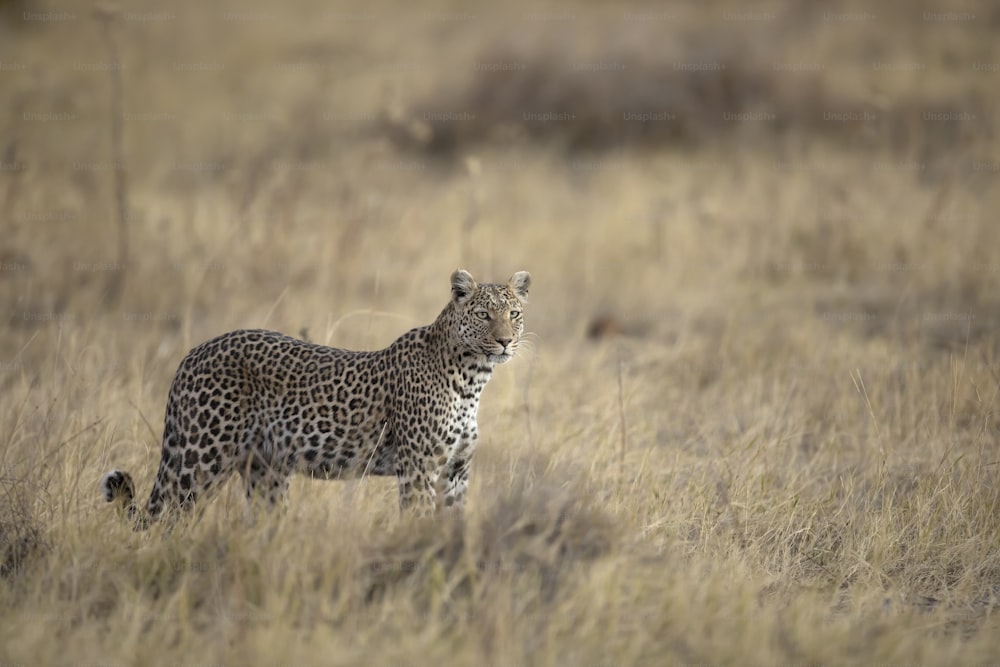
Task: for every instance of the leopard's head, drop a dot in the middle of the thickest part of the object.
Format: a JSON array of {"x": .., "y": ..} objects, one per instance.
[{"x": 488, "y": 317}]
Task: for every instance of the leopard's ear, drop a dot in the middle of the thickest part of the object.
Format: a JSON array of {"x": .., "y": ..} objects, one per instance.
[
  {"x": 519, "y": 283},
  {"x": 463, "y": 286}
]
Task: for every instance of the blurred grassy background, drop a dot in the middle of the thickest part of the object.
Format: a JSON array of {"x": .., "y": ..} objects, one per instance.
[{"x": 757, "y": 420}]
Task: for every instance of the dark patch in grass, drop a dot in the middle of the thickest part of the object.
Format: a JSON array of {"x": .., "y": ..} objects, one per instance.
[
  {"x": 644, "y": 104},
  {"x": 653, "y": 102},
  {"x": 21, "y": 536}
]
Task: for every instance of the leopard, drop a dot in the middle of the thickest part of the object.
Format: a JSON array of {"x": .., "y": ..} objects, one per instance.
[{"x": 267, "y": 406}]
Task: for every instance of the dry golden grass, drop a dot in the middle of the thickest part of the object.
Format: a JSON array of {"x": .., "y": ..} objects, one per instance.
[{"x": 757, "y": 419}]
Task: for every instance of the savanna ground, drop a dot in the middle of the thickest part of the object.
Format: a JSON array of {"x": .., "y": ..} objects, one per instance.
[{"x": 756, "y": 420}]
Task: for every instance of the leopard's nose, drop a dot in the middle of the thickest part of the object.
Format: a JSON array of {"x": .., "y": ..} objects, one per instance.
[{"x": 504, "y": 341}]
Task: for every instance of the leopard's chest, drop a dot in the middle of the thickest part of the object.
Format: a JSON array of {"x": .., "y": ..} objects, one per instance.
[
  {"x": 466, "y": 388},
  {"x": 464, "y": 413}
]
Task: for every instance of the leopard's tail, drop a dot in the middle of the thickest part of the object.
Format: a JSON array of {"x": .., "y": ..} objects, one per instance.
[{"x": 118, "y": 487}]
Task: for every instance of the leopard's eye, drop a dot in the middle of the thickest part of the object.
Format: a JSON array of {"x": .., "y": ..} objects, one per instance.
[
  {"x": 514, "y": 314},
  {"x": 482, "y": 314}
]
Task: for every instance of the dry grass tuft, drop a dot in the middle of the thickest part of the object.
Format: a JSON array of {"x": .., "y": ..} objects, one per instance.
[{"x": 538, "y": 532}]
